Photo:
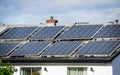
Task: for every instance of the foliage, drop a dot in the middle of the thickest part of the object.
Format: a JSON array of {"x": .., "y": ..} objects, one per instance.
[{"x": 6, "y": 68}]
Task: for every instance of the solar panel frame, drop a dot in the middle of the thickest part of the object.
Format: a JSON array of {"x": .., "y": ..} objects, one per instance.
[
  {"x": 5, "y": 30},
  {"x": 109, "y": 31},
  {"x": 79, "y": 31},
  {"x": 46, "y": 31},
  {"x": 19, "y": 33},
  {"x": 9, "y": 50},
  {"x": 32, "y": 46},
  {"x": 65, "y": 48},
  {"x": 32, "y": 32},
  {"x": 99, "y": 48}
]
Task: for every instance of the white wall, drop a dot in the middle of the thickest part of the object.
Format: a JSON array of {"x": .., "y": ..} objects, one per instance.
[
  {"x": 55, "y": 70},
  {"x": 18, "y": 72},
  {"x": 100, "y": 70},
  {"x": 62, "y": 70},
  {"x": 116, "y": 65}
]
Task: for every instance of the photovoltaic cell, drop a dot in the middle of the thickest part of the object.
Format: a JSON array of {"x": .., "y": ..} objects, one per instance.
[
  {"x": 18, "y": 33},
  {"x": 48, "y": 32},
  {"x": 31, "y": 48},
  {"x": 80, "y": 32},
  {"x": 6, "y": 48},
  {"x": 99, "y": 48},
  {"x": 109, "y": 31},
  {"x": 62, "y": 48}
]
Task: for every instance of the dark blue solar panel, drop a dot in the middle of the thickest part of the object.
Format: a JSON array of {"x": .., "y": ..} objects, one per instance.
[
  {"x": 48, "y": 32},
  {"x": 80, "y": 32},
  {"x": 99, "y": 48},
  {"x": 62, "y": 48},
  {"x": 6, "y": 48},
  {"x": 109, "y": 31},
  {"x": 31, "y": 48},
  {"x": 18, "y": 33}
]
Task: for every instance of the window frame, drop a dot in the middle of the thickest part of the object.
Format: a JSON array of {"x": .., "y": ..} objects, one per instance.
[
  {"x": 78, "y": 69},
  {"x": 30, "y": 67}
]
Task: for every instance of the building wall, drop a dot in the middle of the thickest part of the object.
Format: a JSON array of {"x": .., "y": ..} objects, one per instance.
[
  {"x": 18, "y": 72},
  {"x": 116, "y": 65},
  {"x": 100, "y": 70},
  {"x": 55, "y": 70},
  {"x": 62, "y": 70}
]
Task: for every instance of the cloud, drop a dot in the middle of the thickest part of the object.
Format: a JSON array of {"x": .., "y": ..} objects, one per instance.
[
  {"x": 35, "y": 11},
  {"x": 50, "y": 6},
  {"x": 99, "y": 16},
  {"x": 89, "y": 16},
  {"x": 81, "y": 3}
]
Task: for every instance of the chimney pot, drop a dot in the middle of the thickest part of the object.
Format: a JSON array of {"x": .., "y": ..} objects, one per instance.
[{"x": 51, "y": 17}]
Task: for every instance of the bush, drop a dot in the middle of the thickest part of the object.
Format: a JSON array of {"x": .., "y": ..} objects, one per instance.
[{"x": 6, "y": 68}]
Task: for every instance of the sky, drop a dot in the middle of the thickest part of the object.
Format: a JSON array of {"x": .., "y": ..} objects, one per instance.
[{"x": 66, "y": 11}]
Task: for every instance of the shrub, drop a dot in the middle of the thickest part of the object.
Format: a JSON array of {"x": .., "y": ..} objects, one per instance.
[{"x": 6, "y": 68}]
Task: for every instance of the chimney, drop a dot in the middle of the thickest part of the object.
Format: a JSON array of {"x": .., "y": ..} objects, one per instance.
[{"x": 51, "y": 21}]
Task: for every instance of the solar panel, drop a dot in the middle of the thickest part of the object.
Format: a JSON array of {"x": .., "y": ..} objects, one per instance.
[
  {"x": 99, "y": 48},
  {"x": 31, "y": 48},
  {"x": 109, "y": 31},
  {"x": 48, "y": 32},
  {"x": 6, "y": 48},
  {"x": 18, "y": 33},
  {"x": 80, "y": 32},
  {"x": 62, "y": 48}
]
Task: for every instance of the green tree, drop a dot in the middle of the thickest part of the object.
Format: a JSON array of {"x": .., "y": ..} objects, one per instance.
[{"x": 6, "y": 68}]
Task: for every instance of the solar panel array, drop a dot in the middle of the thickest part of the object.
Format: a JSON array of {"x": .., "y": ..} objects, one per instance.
[
  {"x": 48, "y": 32},
  {"x": 62, "y": 48},
  {"x": 80, "y": 32},
  {"x": 99, "y": 48},
  {"x": 56, "y": 47},
  {"x": 18, "y": 33},
  {"x": 31, "y": 48},
  {"x": 6, "y": 48},
  {"x": 109, "y": 31}
]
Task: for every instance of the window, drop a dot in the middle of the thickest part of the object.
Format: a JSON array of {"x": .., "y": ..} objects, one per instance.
[
  {"x": 30, "y": 71},
  {"x": 77, "y": 71}
]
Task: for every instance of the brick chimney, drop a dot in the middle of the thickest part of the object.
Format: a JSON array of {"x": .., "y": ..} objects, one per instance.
[{"x": 51, "y": 21}]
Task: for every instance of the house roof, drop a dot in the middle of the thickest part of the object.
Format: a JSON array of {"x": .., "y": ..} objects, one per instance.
[{"x": 60, "y": 44}]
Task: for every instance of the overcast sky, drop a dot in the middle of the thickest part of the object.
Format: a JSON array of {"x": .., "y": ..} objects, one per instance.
[{"x": 66, "y": 11}]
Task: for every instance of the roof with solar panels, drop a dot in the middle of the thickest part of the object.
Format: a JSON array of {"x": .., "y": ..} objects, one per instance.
[{"x": 86, "y": 43}]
